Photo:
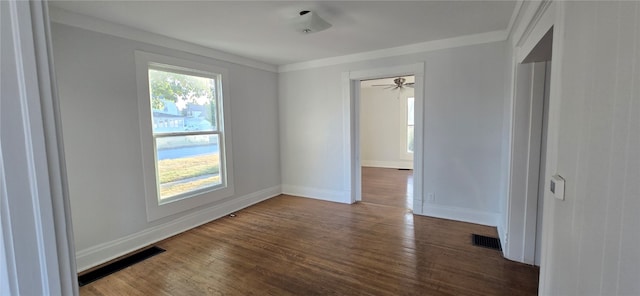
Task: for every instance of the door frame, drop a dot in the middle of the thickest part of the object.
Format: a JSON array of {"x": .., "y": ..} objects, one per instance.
[
  {"x": 538, "y": 18},
  {"x": 526, "y": 138},
  {"x": 35, "y": 218},
  {"x": 521, "y": 215},
  {"x": 351, "y": 108}
]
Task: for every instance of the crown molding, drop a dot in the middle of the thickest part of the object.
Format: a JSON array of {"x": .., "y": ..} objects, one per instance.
[
  {"x": 526, "y": 19},
  {"x": 65, "y": 17},
  {"x": 515, "y": 15},
  {"x": 488, "y": 37}
]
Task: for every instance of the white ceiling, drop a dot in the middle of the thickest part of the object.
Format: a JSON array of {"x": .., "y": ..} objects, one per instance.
[{"x": 258, "y": 29}]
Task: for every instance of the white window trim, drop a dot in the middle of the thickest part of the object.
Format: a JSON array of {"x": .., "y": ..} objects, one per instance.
[
  {"x": 404, "y": 153},
  {"x": 155, "y": 210}
]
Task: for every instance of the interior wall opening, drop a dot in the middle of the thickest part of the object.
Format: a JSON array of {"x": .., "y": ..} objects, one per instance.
[
  {"x": 351, "y": 99},
  {"x": 529, "y": 152},
  {"x": 387, "y": 140}
]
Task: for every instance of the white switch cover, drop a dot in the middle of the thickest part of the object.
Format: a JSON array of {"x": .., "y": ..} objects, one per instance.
[
  {"x": 557, "y": 187},
  {"x": 431, "y": 197}
]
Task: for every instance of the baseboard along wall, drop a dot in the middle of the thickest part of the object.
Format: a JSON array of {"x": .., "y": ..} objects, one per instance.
[
  {"x": 316, "y": 193},
  {"x": 460, "y": 214},
  {"x": 108, "y": 251}
]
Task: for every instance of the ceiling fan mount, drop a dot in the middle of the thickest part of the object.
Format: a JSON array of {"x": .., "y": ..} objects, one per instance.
[{"x": 398, "y": 83}]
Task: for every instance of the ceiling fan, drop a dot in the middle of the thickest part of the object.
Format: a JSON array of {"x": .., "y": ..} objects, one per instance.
[{"x": 398, "y": 83}]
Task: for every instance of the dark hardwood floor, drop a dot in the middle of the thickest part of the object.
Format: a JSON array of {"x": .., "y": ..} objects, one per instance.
[
  {"x": 298, "y": 246},
  {"x": 386, "y": 186}
]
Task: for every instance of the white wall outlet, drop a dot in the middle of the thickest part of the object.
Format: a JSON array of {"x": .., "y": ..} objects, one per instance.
[{"x": 431, "y": 197}]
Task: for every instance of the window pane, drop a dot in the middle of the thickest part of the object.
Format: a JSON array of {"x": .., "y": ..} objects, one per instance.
[
  {"x": 182, "y": 102},
  {"x": 187, "y": 163},
  {"x": 410, "y": 111},
  {"x": 410, "y": 138}
]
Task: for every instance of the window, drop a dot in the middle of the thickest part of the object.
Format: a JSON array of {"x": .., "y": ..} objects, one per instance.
[
  {"x": 185, "y": 149},
  {"x": 410, "y": 114},
  {"x": 406, "y": 127},
  {"x": 187, "y": 152}
]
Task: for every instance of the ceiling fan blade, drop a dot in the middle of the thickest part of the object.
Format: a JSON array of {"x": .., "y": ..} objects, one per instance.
[
  {"x": 410, "y": 84},
  {"x": 383, "y": 85}
]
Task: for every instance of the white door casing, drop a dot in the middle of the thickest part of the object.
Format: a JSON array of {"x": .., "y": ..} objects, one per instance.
[
  {"x": 37, "y": 241},
  {"x": 351, "y": 103}
]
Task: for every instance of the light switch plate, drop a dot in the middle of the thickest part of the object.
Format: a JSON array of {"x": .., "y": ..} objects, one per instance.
[
  {"x": 431, "y": 197},
  {"x": 557, "y": 187}
]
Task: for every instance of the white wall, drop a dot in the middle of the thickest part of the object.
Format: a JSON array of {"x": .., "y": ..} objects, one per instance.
[
  {"x": 464, "y": 97},
  {"x": 97, "y": 87},
  {"x": 383, "y": 121},
  {"x": 592, "y": 237}
]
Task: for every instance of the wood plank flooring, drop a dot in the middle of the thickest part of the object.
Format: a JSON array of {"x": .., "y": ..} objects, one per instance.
[
  {"x": 385, "y": 186},
  {"x": 298, "y": 246}
]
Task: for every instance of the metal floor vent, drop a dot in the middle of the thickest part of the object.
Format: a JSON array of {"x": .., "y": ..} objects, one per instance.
[
  {"x": 486, "y": 242},
  {"x": 118, "y": 265}
]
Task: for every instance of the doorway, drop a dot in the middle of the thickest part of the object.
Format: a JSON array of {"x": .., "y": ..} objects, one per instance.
[
  {"x": 529, "y": 152},
  {"x": 352, "y": 106},
  {"x": 387, "y": 140}
]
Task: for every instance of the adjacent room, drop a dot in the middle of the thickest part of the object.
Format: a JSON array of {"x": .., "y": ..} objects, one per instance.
[
  {"x": 320, "y": 148},
  {"x": 386, "y": 141}
]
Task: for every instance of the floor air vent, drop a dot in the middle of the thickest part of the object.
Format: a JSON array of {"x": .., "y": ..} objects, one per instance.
[
  {"x": 118, "y": 265},
  {"x": 486, "y": 242}
]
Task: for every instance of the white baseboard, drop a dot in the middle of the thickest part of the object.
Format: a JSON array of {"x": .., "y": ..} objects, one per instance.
[
  {"x": 460, "y": 214},
  {"x": 105, "y": 252},
  {"x": 315, "y": 193},
  {"x": 387, "y": 164},
  {"x": 503, "y": 238}
]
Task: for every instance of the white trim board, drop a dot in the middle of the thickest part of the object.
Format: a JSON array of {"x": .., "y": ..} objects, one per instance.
[
  {"x": 541, "y": 24},
  {"x": 504, "y": 238},
  {"x": 514, "y": 17},
  {"x": 68, "y": 18},
  {"x": 526, "y": 20},
  {"x": 35, "y": 224},
  {"x": 482, "y": 38},
  {"x": 55, "y": 151},
  {"x": 107, "y": 251},
  {"x": 317, "y": 193},
  {"x": 460, "y": 214},
  {"x": 407, "y": 164}
]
